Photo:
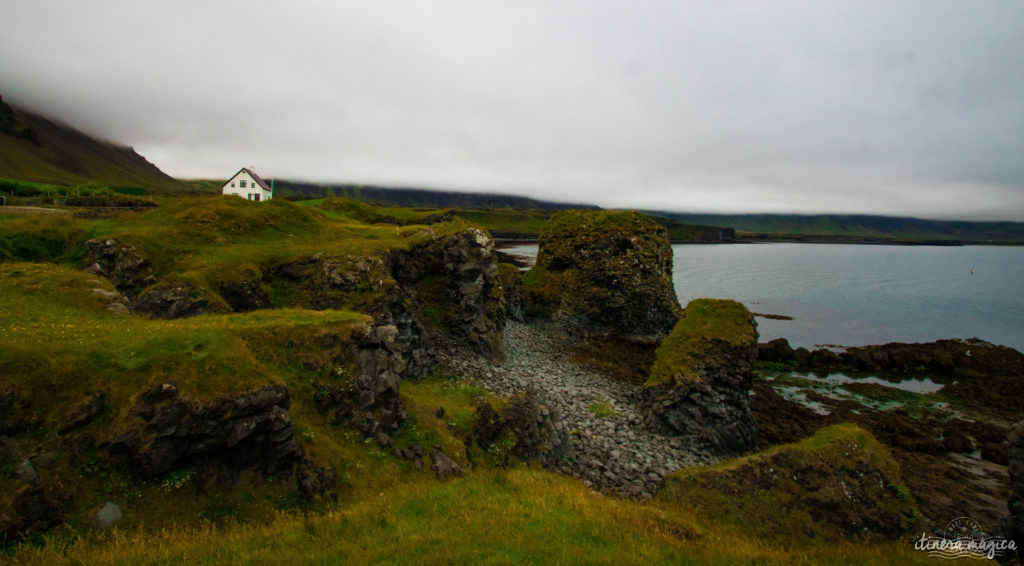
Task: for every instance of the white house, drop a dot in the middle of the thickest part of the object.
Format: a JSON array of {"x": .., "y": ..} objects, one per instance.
[{"x": 247, "y": 184}]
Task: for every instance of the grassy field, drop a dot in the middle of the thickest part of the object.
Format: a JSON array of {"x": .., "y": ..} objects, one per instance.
[{"x": 517, "y": 516}]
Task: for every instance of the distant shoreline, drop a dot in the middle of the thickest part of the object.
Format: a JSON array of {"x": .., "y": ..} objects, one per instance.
[{"x": 508, "y": 241}]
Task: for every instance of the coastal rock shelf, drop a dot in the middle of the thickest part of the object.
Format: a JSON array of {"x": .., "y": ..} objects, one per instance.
[{"x": 613, "y": 450}]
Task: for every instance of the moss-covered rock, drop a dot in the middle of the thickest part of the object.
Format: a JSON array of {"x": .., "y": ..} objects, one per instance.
[
  {"x": 702, "y": 374},
  {"x": 838, "y": 485},
  {"x": 603, "y": 272},
  {"x": 527, "y": 427}
]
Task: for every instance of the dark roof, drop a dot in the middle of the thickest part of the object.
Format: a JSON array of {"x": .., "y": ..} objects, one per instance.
[{"x": 254, "y": 176}]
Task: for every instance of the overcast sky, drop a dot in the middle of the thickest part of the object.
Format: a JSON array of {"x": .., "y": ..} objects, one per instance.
[{"x": 890, "y": 107}]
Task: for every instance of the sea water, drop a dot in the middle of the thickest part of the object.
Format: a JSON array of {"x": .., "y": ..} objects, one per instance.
[{"x": 853, "y": 295}]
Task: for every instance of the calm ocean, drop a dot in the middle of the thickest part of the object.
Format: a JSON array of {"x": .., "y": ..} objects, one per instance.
[{"x": 853, "y": 295}]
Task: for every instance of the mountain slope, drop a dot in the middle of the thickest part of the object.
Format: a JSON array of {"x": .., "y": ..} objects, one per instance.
[
  {"x": 33, "y": 148},
  {"x": 431, "y": 198}
]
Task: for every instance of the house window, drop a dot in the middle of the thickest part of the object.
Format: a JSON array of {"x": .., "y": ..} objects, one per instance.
[
  {"x": 232, "y": 184},
  {"x": 242, "y": 183},
  {"x": 257, "y": 199}
]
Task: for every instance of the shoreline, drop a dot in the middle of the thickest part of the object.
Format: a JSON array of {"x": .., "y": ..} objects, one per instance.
[{"x": 501, "y": 243}]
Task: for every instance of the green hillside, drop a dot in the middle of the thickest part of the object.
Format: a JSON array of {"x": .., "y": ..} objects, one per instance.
[{"x": 33, "y": 148}]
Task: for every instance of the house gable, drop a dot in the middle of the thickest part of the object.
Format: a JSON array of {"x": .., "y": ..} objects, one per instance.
[{"x": 248, "y": 185}]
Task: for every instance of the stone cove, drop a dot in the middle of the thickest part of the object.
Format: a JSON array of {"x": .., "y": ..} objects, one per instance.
[{"x": 335, "y": 368}]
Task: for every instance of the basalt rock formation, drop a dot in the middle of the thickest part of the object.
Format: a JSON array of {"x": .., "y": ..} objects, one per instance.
[
  {"x": 527, "y": 427},
  {"x": 245, "y": 293},
  {"x": 252, "y": 430},
  {"x": 444, "y": 292},
  {"x": 121, "y": 264},
  {"x": 171, "y": 299},
  {"x": 370, "y": 402},
  {"x": 513, "y": 297},
  {"x": 133, "y": 275},
  {"x": 701, "y": 378},
  {"x": 451, "y": 286},
  {"x": 601, "y": 272}
]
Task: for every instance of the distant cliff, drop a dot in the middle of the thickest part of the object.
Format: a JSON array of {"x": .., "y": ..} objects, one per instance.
[
  {"x": 861, "y": 228},
  {"x": 34, "y": 148},
  {"x": 428, "y": 198}
]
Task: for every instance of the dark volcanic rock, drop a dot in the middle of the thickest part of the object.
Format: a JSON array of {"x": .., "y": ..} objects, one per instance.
[
  {"x": 370, "y": 402},
  {"x": 121, "y": 264},
  {"x": 1013, "y": 525},
  {"x": 971, "y": 357},
  {"x": 777, "y": 350},
  {"x": 701, "y": 378},
  {"x": 444, "y": 292},
  {"x": 33, "y": 511},
  {"x": 435, "y": 218},
  {"x": 245, "y": 295},
  {"x": 84, "y": 414},
  {"x": 602, "y": 272},
  {"x": 470, "y": 263},
  {"x": 316, "y": 482},
  {"x": 451, "y": 287},
  {"x": 527, "y": 427},
  {"x": 170, "y": 299},
  {"x": 513, "y": 297},
  {"x": 252, "y": 430},
  {"x": 443, "y": 466},
  {"x": 13, "y": 412}
]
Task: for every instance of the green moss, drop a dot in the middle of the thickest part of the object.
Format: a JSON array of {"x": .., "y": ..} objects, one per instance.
[
  {"x": 595, "y": 220},
  {"x": 603, "y": 409},
  {"x": 840, "y": 484},
  {"x": 508, "y": 270},
  {"x": 442, "y": 412},
  {"x": 703, "y": 323}
]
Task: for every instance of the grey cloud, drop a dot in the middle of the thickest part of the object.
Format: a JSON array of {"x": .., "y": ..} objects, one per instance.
[{"x": 887, "y": 107}]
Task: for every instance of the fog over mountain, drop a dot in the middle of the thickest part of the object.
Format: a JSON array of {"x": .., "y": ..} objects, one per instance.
[{"x": 904, "y": 108}]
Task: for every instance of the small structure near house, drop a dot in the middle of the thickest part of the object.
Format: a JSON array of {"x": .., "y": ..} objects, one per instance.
[{"x": 247, "y": 184}]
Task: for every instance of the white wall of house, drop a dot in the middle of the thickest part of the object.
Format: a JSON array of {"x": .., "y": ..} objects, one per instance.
[{"x": 243, "y": 185}]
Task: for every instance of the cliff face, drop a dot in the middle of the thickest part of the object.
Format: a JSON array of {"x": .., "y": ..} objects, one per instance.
[
  {"x": 247, "y": 431},
  {"x": 603, "y": 272},
  {"x": 451, "y": 286},
  {"x": 702, "y": 375},
  {"x": 446, "y": 291}
]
